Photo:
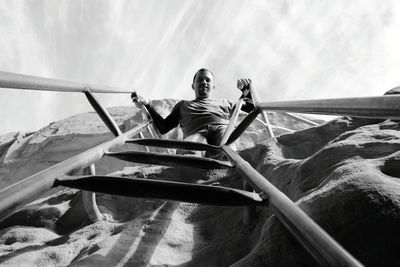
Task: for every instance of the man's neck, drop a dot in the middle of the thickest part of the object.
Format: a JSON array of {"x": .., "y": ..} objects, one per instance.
[{"x": 202, "y": 98}]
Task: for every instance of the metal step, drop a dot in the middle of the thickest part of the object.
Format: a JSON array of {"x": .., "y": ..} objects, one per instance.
[
  {"x": 147, "y": 188},
  {"x": 170, "y": 160},
  {"x": 173, "y": 144}
]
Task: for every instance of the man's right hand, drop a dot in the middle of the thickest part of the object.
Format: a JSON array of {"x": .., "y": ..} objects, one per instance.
[
  {"x": 244, "y": 86},
  {"x": 139, "y": 100}
]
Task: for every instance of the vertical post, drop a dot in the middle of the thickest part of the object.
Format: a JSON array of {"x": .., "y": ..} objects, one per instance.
[{"x": 89, "y": 198}]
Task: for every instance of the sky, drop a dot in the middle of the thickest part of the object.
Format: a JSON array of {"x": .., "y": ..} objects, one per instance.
[{"x": 291, "y": 50}]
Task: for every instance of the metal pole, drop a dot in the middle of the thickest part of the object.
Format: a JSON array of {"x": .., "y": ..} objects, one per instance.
[
  {"x": 384, "y": 107},
  {"x": 232, "y": 121},
  {"x": 256, "y": 101},
  {"x": 103, "y": 113},
  {"x": 302, "y": 119},
  {"x": 89, "y": 198},
  {"x": 317, "y": 242},
  {"x": 242, "y": 126},
  {"x": 19, "y": 194},
  {"x": 20, "y": 81},
  {"x": 265, "y": 125}
]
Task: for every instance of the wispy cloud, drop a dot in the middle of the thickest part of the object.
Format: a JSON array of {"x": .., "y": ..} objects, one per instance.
[{"x": 291, "y": 49}]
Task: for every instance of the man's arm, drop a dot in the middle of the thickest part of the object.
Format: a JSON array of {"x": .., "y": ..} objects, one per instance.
[
  {"x": 163, "y": 125},
  {"x": 244, "y": 85},
  {"x": 167, "y": 124}
]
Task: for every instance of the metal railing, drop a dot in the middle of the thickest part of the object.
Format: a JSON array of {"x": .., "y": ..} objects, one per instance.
[{"x": 319, "y": 244}]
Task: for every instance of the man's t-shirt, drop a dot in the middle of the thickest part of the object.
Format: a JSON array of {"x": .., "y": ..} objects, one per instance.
[{"x": 193, "y": 115}]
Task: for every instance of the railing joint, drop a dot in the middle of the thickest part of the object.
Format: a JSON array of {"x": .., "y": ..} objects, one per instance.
[{"x": 264, "y": 196}]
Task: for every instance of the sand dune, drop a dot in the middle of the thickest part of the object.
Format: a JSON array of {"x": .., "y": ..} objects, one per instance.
[{"x": 343, "y": 174}]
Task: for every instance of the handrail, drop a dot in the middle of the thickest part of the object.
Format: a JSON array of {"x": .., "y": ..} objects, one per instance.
[
  {"x": 322, "y": 246},
  {"x": 21, "y": 81},
  {"x": 385, "y": 107},
  {"x": 21, "y": 193}
]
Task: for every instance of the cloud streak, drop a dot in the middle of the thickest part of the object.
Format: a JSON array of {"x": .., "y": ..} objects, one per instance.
[{"x": 292, "y": 50}]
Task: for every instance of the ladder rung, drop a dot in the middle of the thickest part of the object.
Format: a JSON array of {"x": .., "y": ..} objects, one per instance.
[
  {"x": 172, "y": 144},
  {"x": 147, "y": 188},
  {"x": 170, "y": 160}
]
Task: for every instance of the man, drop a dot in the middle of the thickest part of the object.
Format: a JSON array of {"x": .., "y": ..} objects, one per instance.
[{"x": 202, "y": 119}]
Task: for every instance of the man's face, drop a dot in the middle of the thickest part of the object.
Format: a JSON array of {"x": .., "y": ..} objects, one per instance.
[{"x": 203, "y": 84}]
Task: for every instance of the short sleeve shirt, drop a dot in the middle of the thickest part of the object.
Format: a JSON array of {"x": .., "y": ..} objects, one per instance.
[{"x": 197, "y": 114}]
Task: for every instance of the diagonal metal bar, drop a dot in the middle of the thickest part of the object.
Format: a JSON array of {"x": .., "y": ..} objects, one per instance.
[
  {"x": 266, "y": 125},
  {"x": 103, "y": 113},
  {"x": 256, "y": 100},
  {"x": 19, "y": 194},
  {"x": 147, "y": 188},
  {"x": 302, "y": 119},
  {"x": 170, "y": 160},
  {"x": 282, "y": 128},
  {"x": 385, "y": 107},
  {"x": 317, "y": 242},
  {"x": 232, "y": 121},
  {"x": 165, "y": 143},
  {"x": 243, "y": 126},
  {"x": 270, "y": 133},
  {"x": 20, "y": 81}
]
